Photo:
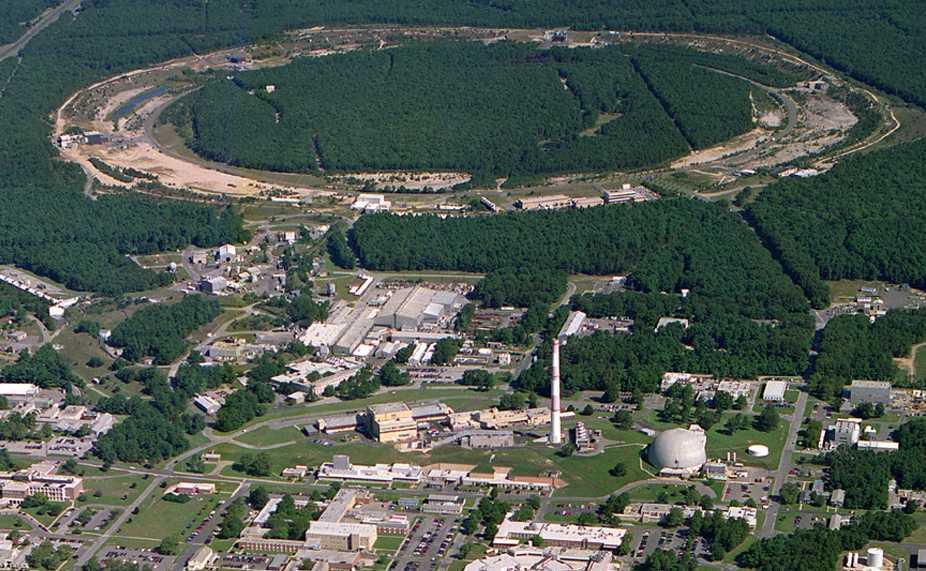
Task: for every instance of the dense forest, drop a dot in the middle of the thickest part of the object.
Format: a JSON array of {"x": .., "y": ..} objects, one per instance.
[
  {"x": 159, "y": 331},
  {"x": 17, "y": 13},
  {"x": 852, "y": 348},
  {"x": 522, "y": 287},
  {"x": 115, "y": 35},
  {"x": 855, "y": 222},
  {"x": 471, "y": 110},
  {"x": 45, "y": 368},
  {"x": 667, "y": 245},
  {"x": 819, "y": 548}
]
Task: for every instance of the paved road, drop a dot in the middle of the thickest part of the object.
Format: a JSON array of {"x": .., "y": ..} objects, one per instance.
[
  {"x": 45, "y": 20},
  {"x": 784, "y": 466}
]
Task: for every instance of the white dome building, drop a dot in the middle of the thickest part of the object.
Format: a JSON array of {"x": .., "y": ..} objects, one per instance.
[{"x": 679, "y": 451}]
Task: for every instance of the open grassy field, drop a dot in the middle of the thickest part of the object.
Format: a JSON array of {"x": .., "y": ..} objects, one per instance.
[
  {"x": 114, "y": 489},
  {"x": 266, "y": 436},
  {"x": 157, "y": 518},
  {"x": 674, "y": 492}
]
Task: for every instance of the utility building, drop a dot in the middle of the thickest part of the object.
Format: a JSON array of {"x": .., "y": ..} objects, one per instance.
[{"x": 870, "y": 391}]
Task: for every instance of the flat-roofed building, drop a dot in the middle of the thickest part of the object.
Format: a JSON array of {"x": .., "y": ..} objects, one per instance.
[
  {"x": 501, "y": 478},
  {"x": 337, "y": 423},
  {"x": 544, "y": 202},
  {"x": 39, "y": 479},
  {"x": 496, "y": 419},
  {"x": 846, "y": 431},
  {"x": 434, "y": 412},
  {"x": 341, "y": 468},
  {"x": 559, "y": 535},
  {"x": 870, "y": 391},
  {"x": 775, "y": 391},
  {"x": 202, "y": 558},
  {"x": 18, "y": 392},
  {"x": 194, "y": 489},
  {"x": 341, "y": 536},
  {"x": 444, "y": 504},
  {"x": 391, "y": 422}
]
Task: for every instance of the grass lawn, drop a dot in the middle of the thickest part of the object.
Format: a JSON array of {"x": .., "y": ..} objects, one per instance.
[
  {"x": 650, "y": 493},
  {"x": 78, "y": 348},
  {"x": 43, "y": 518},
  {"x": 919, "y": 534},
  {"x": 608, "y": 431},
  {"x": 719, "y": 443},
  {"x": 158, "y": 518},
  {"x": 116, "y": 490},
  {"x": 388, "y": 543},
  {"x": 843, "y": 291},
  {"x": 586, "y": 476},
  {"x": 476, "y": 551},
  {"x": 920, "y": 363},
  {"x": 265, "y": 436},
  {"x": 8, "y": 521}
]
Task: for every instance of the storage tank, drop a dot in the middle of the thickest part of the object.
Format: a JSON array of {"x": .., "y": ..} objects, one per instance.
[
  {"x": 758, "y": 450},
  {"x": 875, "y": 557}
]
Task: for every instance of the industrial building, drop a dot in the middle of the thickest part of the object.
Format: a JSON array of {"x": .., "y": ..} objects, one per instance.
[
  {"x": 443, "y": 504},
  {"x": 845, "y": 431},
  {"x": 511, "y": 533},
  {"x": 391, "y": 422},
  {"x": 340, "y": 468},
  {"x": 870, "y": 391},
  {"x": 546, "y": 559},
  {"x": 679, "y": 451},
  {"x": 411, "y": 308}
]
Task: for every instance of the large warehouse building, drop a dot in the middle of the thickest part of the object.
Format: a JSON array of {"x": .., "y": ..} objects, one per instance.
[
  {"x": 679, "y": 451},
  {"x": 410, "y": 308}
]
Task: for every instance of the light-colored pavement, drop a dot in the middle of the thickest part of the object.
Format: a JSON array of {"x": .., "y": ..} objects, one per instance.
[{"x": 784, "y": 466}]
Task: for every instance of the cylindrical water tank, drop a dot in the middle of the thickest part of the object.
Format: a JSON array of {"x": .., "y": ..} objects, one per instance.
[
  {"x": 758, "y": 450},
  {"x": 875, "y": 557}
]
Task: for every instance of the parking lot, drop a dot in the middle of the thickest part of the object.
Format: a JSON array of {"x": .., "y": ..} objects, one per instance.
[
  {"x": 141, "y": 557},
  {"x": 750, "y": 483},
  {"x": 428, "y": 543}
]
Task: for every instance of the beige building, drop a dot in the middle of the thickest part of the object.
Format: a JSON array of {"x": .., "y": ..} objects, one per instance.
[
  {"x": 495, "y": 419},
  {"x": 39, "y": 479},
  {"x": 391, "y": 422},
  {"x": 341, "y": 536}
]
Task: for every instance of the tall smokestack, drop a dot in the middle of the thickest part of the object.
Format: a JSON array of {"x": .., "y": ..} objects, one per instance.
[{"x": 555, "y": 436}]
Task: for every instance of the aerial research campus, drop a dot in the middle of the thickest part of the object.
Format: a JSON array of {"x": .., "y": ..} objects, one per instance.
[{"x": 422, "y": 286}]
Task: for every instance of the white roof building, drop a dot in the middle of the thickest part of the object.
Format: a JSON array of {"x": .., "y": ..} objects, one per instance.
[
  {"x": 18, "y": 390},
  {"x": 559, "y": 535},
  {"x": 775, "y": 391}
]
